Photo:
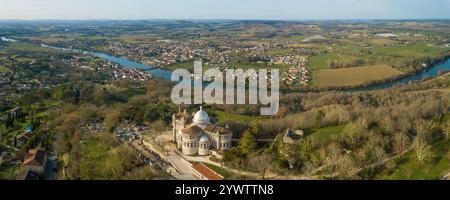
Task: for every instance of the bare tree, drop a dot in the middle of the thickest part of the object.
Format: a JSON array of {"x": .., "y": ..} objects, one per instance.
[
  {"x": 423, "y": 129},
  {"x": 261, "y": 163},
  {"x": 401, "y": 142},
  {"x": 447, "y": 130},
  {"x": 422, "y": 149},
  {"x": 388, "y": 124},
  {"x": 343, "y": 166}
]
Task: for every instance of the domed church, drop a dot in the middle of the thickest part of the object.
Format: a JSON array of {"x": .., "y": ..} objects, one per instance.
[{"x": 197, "y": 136}]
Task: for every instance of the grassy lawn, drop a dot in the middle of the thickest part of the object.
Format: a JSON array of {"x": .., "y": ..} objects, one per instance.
[
  {"x": 324, "y": 134},
  {"x": 96, "y": 151},
  {"x": 224, "y": 116},
  {"x": 138, "y": 39},
  {"x": 418, "y": 50},
  {"x": 5, "y": 172},
  {"x": 408, "y": 168},
  {"x": 326, "y": 78},
  {"x": 131, "y": 92},
  {"x": 296, "y": 38},
  {"x": 4, "y": 69},
  {"x": 219, "y": 170},
  {"x": 188, "y": 65},
  {"x": 29, "y": 48},
  {"x": 322, "y": 61},
  {"x": 18, "y": 128}
]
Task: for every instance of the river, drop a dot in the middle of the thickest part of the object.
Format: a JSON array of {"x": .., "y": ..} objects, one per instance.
[{"x": 430, "y": 72}]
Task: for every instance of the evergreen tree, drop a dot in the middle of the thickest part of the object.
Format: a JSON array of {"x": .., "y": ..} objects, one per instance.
[{"x": 247, "y": 144}]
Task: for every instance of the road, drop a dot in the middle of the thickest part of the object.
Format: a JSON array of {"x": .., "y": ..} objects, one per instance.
[
  {"x": 51, "y": 167},
  {"x": 181, "y": 169}
]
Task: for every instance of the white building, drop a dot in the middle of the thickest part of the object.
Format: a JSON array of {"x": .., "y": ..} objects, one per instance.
[{"x": 197, "y": 136}]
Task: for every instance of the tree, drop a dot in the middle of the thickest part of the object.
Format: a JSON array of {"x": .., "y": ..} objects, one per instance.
[
  {"x": 422, "y": 150},
  {"x": 112, "y": 118},
  {"x": 261, "y": 163},
  {"x": 343, "y": 166},
  {"x": 401, "y": 142},
  {"x": 76, "y": 95},
  {"x": 10, "y": 121},
  {"x": 247, "y": 144},
  {"x": 447, "y": 130},
  {"x": 388, "y": 124}
]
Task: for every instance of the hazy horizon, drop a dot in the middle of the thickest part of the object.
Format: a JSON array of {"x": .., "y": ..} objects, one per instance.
[{"x": 290, "y": 10}]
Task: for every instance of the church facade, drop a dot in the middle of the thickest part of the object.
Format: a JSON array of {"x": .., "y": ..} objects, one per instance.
[{"x": 195, "y": 135}]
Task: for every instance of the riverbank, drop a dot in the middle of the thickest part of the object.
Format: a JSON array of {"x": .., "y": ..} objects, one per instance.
[{"x": 434, "y": 69}]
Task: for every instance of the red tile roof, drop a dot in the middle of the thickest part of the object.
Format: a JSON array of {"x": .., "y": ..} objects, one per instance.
[
  {"x": 34, "y": 157},
  {"x": 192, "y": 129},
  {"x": 207, "y": 172},
  {"x": 217, "y": 129}
]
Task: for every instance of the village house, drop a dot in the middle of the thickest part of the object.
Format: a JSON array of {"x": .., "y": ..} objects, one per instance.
[
  {"x": 35, "y": 161},
  {"x": 23, "y": 138}
]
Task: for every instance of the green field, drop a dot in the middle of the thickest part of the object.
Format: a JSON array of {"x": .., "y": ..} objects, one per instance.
[
  {"x": 408, "y": 167},
  {"x": 224, "y": 116},
  {"x": 4, "y": 69},
  {"x": 322, "y": 61},
  {"x": 187, "y": 65},
  {"x": 418, "y": 50},
  {"x": 326, "y": 78},
  {"x": 324, "y": 134},
  {"x": 295, "y": 38},
  {"x": 29, "y": 48}
]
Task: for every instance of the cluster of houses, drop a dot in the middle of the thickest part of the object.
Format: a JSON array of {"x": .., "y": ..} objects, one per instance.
[
  {"x": 296, "y": 75},
  {"x": 168, "y": 52},
  {"x": 116, "y": 72},
  {"x": 130, "y": 74},
  {"x": 290, "y": 59},
  {"x": 11, "y": 81}
]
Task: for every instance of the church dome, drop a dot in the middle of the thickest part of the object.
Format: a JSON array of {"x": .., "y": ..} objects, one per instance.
[
  {"x": 201, "y": 117},
  {"x": 204, "y": 139}
]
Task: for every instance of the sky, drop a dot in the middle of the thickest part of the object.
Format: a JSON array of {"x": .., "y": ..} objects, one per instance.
[{"x": 225, "y": 9}]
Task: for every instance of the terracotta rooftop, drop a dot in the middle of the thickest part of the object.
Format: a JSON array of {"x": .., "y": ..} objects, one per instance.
[
  {"x": 217, "y": 129},
  {"x": 192, "y": 129},
  {"x": 207, "y": 172},
  {"x": 34, "y": 157}
]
